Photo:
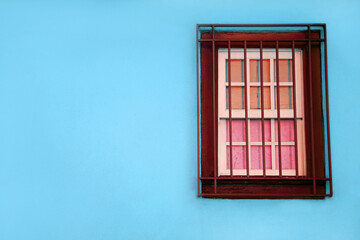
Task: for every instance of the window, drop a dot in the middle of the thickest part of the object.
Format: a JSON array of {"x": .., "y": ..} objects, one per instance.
[
  {"x": 247, "y": 136},
  {"x": 263, "y": 129}
]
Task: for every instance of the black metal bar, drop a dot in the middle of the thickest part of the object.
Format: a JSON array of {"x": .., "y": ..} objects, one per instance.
[
  {"x": 289, "y": 178},
  {"x": 264, "y": 40},
  {"x": 327, "y": 111},
  {"x": 230, "y": 108},
  {"x": 311, "y": 113},
  {"x": 278, "y": 106},
  {"x": 198, "y": 108},
  {"x": 262, "y": 108},
  {"x": 295, "y": 113},
  {"x": 262, "y": 25},
  {"x": 265, "y": 195},
  {"x": 246, "y": 114}
]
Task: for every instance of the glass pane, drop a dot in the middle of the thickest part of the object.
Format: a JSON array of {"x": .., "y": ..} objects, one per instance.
[
  {"x": 237, "y": 70},
  {"x": 256, "y": 130},
  {"x": 286, "y": 97},
  {"x": 237, "y": 97},
  {"x": 238, "y": 157},
  {"x": 238, "y": 130},
  {"x": 287, "y": 157},
  {"x": 287, "y": 130},
  {"x": 257, "y": 157},
  {"x": 285, "y": 70},
  {"x": 255, "y": 70},
  {"x": 266, "y": 70},
  {"x": 255, "y": 97}
]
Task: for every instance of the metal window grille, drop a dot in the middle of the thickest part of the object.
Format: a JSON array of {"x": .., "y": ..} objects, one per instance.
[{"x": 311, "y": 39}]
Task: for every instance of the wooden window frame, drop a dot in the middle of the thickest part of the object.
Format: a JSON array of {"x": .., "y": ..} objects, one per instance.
[
  {"x": 317, "y": 182},
  {"x": 270, "y": 114}
]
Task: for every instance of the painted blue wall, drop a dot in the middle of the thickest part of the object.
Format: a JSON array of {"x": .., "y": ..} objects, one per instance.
[{"x": 98, "y": 123}]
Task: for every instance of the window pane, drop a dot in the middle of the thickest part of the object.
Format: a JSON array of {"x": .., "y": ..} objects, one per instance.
[
  {"x": 255, "y": 97},
  {"x": 255, "y": 70},
  {"x": 256, "y": 130},
  {"x": 257, "y": 157},
  {"x": 285, "y": 70},
  {"x": 238, "y": 159},
  {"x": 266, "y": 70},
  {"x": 238, "y": 130},
  {"x": 236, "y": 69},
  {"x": 286, "y": 97},
  {"x": 286, "y": 130},
  {"x": 287, "y": 157},
  {"x": 237, "y": 97}
]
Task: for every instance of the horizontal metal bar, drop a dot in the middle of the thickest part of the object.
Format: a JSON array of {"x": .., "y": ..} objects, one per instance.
[
  {"x": 267, "y": 177},
  {"x": 261, "y": 195},
  {"x": 265, "y": 40},
  {"x": 259, "y": 118},
  {"x": 262, "y": 25}
]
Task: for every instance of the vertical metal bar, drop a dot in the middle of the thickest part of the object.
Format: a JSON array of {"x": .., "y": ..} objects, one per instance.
[
  {"x": 246, "y": 113},
  {"x": 230, "y": 117},
  {"x": 311, "y": 112},
  {"x": 327, "y": 110},
  {"x": 278, "y": 106},
  {"x": 295, "y": 113},
  {"x": 262, "y": 107},
  {"x": 214, "y": 107},
  {"x": 198, "y": 107}
]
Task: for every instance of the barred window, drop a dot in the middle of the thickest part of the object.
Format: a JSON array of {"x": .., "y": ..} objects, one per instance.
[{"x": 263, "y": 129}]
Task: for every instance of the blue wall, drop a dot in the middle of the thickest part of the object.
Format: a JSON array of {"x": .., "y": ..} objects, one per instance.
[{"x": 98, "y": 123}]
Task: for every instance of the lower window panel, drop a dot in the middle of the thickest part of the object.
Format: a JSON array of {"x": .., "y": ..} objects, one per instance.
[{"x": 255, "y": 188}]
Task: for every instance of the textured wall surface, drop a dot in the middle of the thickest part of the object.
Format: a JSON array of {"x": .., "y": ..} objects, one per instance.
[{"x": 98, "y": 123}]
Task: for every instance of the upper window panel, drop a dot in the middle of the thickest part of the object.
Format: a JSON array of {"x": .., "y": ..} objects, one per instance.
[{"x": 263, "y": 119}]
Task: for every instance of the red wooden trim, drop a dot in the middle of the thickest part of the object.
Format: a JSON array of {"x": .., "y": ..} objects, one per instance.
[
  {"x": 263, "y": 187},
  {"x": 214, "y": 108},
  {"x": 207, "y": 125}
]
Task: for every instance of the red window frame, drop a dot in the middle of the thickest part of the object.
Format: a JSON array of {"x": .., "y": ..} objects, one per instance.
[{"x": 318, "y": 181}]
